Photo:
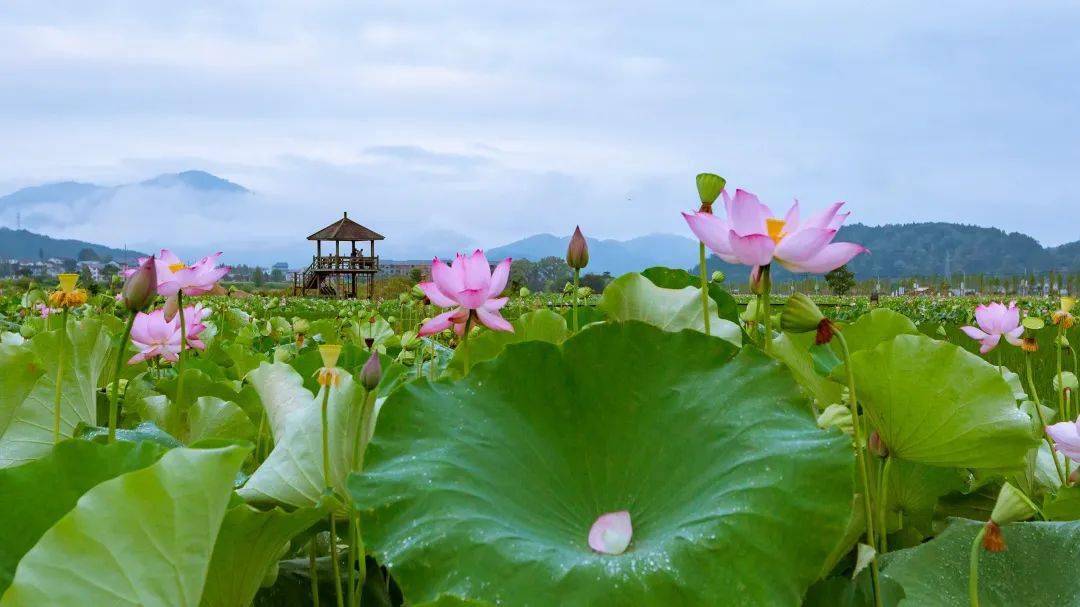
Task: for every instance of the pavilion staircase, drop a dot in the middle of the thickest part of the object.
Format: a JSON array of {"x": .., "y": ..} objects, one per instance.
[{"x": 312, "y": 279}]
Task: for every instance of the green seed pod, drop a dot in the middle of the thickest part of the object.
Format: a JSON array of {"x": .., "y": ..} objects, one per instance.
[
  {"x": 800, "y": 315},
  {"x": 1011, "y": 506},
  {"x": 709, "y": 187}
]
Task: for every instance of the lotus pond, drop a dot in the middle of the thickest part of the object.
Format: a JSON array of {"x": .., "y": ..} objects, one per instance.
[{"x": 295, "y": 451}]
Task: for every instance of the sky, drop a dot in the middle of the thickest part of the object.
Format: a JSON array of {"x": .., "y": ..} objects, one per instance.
[{"x": 451, "y": 124}]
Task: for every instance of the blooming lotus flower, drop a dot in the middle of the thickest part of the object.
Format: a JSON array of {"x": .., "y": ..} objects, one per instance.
[
  {"x": 611, "y": 533},
  {"x": 154, "y": 336},
  {"x": 173, "y": 275},
  {"x": 1066, "y": 437},
  {"x": 752, "y": 235},
  {"x": 469, "y": 287},
  {"x": 995, "y": 321}
]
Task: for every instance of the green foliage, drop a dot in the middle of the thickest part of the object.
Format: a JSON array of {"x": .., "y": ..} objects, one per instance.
[{"x": 634, "y": 297}]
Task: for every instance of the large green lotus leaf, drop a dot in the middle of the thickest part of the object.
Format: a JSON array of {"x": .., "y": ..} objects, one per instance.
[
  {"x": 249, "y": 543},
  {"x": 292, "y": 475},
  {"x": 938, "y": 404},
  {"x": 1065, "y": 506},
  {"x": 19, "y": 372},
  {"x": 29, "y": 432},
  {"x": 35, "y": 495},
  {"x": 1031, "y": 571},
  {"x": 539, "y": 325},
  {"x": 874, "y": 327},
  {"x": 486, "y": 488},
  {"x": 142, "y": 538},
  {"x": 178, "y": 418},
  {"x": 282, "y": 392},
  {"x": 634, "y": 297},
  {"x": 212, "y": 417},
  {"x": 673, "y": 278}
]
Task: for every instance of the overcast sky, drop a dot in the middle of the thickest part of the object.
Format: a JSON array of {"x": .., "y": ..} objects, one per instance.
[{"x": 445, "y": 124}]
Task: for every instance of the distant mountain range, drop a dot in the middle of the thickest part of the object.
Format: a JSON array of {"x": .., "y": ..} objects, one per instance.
[
  {"x": 896, "y": 250},
  {"x": 63, "y": 192},
  {"x": 24, "y": 245}
]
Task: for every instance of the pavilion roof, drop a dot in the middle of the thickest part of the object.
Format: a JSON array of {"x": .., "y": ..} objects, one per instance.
[{"x": 346, "y": 229}]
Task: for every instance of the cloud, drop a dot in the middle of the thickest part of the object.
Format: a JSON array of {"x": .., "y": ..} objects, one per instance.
[{"x": 481, "y": 122}]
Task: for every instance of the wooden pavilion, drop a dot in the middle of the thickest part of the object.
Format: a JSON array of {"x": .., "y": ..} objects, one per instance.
[{"x": 337, "y": 275}]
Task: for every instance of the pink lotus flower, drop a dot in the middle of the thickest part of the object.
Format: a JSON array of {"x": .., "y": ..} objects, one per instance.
[
  {"x": 44, "y": 311},
  {"x": 1066, "y": 437},
  {"x": 173, "y": 275},
  {"x": 470, "y": 288},
  {"x": 611, "y": 533},
  {"x": 752, "y": 235},
  {"x": 154, "y": 336},
  {"x": 995, "y": 321}
]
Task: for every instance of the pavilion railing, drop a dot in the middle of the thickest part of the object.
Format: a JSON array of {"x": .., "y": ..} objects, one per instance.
[{"x": 358, "y": 263}]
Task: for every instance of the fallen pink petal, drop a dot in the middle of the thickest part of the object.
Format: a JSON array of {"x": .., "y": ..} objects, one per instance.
[{"x": 611, "y": 533}]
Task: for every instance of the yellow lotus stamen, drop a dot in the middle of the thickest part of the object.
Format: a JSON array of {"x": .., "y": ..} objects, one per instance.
[
  {"x": 329, "y": 354},
  {"x": 176, "y": 267},
  {"x": 775, "y": 228},
  {"x": 67, "y": 282},
  {"x": 329, "y": 377}
]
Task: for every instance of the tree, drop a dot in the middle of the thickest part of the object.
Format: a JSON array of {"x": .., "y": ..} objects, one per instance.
[
  {"x": 416, "y": 275},
  {"x": 258, "y": 276},
  {"x": 87, "y": 254},
  {"x": 276, "y": 275},
  {"x": 596, "y": 282},
  {"x": 840, "y": 280}
]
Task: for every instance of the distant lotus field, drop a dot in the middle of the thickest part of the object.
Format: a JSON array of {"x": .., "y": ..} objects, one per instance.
[{"x": 659, "y": 444}]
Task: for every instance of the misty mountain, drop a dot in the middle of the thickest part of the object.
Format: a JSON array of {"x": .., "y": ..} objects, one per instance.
[
  {"x": 615, "y": 256},
  {"x": 896, "y": 250},
  {"x": 72, "y": 192}
]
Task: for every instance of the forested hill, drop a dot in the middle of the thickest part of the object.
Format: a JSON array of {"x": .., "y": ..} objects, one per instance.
[
  {"x": 929, "y": 249},
  {"x": 24, "y": 245}
]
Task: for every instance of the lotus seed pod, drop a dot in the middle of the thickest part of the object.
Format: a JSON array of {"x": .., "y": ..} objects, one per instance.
[
  {"x": 1011, "y": 506},
  {"x": 709, "y": 187},
  {"x": 800, "y": 315},
  {"x": 330, "y": 354}
]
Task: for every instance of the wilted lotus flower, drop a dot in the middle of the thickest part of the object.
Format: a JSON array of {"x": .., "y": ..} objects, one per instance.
[
  {"x": 173, "y": 275},
  {"x": 140, "y": 286},
  {"x": 470, "y": 287},
  {"x": 1066, "y": 437},
  {"x": 995, "y": 321},
  {"x": 611, "y": 533},
  {"x": 1063, "y": 315},
  {"x": 577, "y": 252},
  {"x": 753, "y": 236}
]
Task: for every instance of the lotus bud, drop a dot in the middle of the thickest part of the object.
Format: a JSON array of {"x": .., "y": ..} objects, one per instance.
[
  {"x": 709, "y": 187},
  {"x": 330, "y": 354},
  {"x": 718, "y": 277},
  {"x": 755, "y": 280},
  {"x": 371, "y": 373},
  {"x": 140, "y": 288},
  {"x": 877, "y": 446},
  {"x": 301, "y": 325},
  {"x": 801, "y": 315},
  {"x": 524, "y": 292},
  {"x": 172, "y": 306},
  {"x": 1011, "y": 506},
  {"x": 368, "y": 342},
  {"x": 417, "y": 293},
  {"x": 1074, "y": 477},
  {"x": 577, "y": 253}
]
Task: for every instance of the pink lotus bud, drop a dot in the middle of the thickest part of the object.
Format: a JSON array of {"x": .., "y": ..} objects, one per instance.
[
  {"x": 577, "y": 254},
  {"x": 172, "y": 306},
  {"x": 371, "y": 373},
  {"x": 140, "y": 287},
  {"x": 876, "y": 445}
]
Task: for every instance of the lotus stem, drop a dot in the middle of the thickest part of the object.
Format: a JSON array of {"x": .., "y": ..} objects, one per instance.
[
  {"x": 860, "y": 457},
  {"x": 577, "y": 275},
  {"x": 883, "y": 499},
  {"x": 1042, "y": 420},
  {"x": 114, "y": 400},
  {"x": 704, "y": 287},
  {"x": 1062, "y": 413},
  {"x": 313, "y": 573},
  {"x": 183, "y": 348},
  {"x": 766, "y": 292},
  {"x": 329, "y": 490},
  {"x": 464, "y": 345},
  {"x": 59, "y": 376},
  {"x": 973, "y": 576}
]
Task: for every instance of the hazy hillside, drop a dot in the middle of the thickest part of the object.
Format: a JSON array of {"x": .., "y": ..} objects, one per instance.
[
  {"x": 615, "y": 256},
  {"x": 21, "y": 244}
]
